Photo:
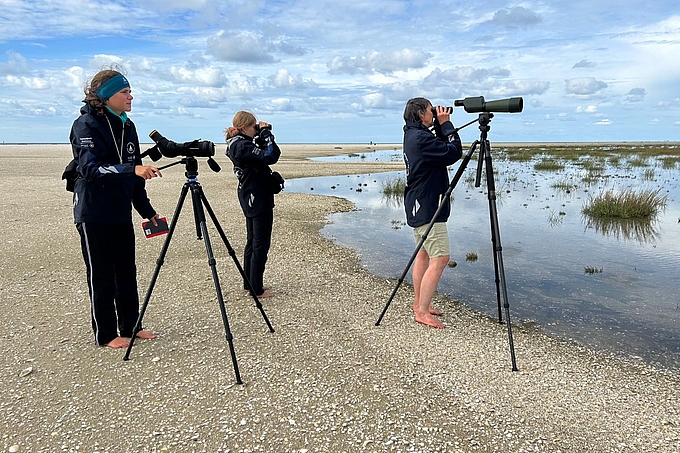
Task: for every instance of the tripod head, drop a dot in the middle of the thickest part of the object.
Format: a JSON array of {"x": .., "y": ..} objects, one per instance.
[{"x": 191, "y": 166}]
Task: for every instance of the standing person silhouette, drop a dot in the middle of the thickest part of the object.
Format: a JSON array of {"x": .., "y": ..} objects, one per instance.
[
  {"x": 252, "y": 149},
  {"x": 112, "y": 179},
  {"x": 427, "y": 156}
]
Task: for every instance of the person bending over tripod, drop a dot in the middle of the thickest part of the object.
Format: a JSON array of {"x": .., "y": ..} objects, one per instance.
[
  {"x": 106, "y": 148},
  {"x": 427, "y": 156},
  {"x": 251, "y": 148}
]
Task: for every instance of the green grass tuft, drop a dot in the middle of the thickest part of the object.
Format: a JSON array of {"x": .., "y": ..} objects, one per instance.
[{"x": 625, "y": 204}]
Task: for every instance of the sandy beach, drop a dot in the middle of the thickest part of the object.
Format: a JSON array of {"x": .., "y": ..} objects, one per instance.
[{"x": 327, "y": 379}]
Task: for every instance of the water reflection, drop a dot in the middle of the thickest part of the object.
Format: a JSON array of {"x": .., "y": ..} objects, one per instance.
[{"x": 641, "y": 230}]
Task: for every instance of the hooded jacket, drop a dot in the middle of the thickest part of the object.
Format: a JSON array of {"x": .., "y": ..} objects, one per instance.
[
  {"x": 107, "y": 151},
  {"x": 426, "y": 156},
  {"x": 251, "y": 159}
]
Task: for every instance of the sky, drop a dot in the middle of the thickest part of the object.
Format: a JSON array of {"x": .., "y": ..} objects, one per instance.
[{"x": 341, "y": 71}]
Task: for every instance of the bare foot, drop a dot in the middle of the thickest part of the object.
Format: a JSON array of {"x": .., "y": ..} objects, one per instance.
[
  {"x": 433, "y": 311},
  {"x": 265, "y": 294},
  {"x": 429, "y": 320},
  {"x": 264, "y": 288},
  {"x": 118, "y": 343},
  {"x": 146, "y": 335}
]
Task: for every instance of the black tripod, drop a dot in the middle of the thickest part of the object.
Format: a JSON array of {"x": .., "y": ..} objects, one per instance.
[
  {"x": 484, "y": 157},
  {"x": 199, "y": 201}
]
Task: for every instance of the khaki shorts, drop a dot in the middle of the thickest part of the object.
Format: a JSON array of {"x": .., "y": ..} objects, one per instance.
[{"x": 437, "y": 242}]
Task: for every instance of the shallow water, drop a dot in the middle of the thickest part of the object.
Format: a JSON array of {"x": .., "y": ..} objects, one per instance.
[{"x": 629, "y": 306}]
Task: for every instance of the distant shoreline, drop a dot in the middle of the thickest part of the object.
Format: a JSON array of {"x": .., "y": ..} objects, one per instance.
[{"x": 383, "y": 145}]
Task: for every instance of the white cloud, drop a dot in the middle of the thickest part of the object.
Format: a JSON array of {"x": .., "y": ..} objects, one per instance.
[
  {"x": 283, "y": 79},
  {"x": 584, "y": 64},
  {"x": 380, "y": 62},
  {"x": 16, "y": 64},
  {"x": 585, "y": 86},
  {"x": 374, "y": 101},
  {"x": 586, "y": 109},
  {"x": 280, "y": 104},
  {"x": 517, "y": 17},
  {"x": 239, "y": 47},
  {"x": 353, "y": 62}
]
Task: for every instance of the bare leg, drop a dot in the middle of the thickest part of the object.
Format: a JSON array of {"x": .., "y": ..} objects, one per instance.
[
  {"x": 420, "y": 268},
  {"x": 426, "y": 287}
]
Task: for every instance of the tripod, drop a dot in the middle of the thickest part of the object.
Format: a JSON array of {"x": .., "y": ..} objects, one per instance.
[
  {"x": 484, "y": 120},
  {"x": 199, "y": 201}
]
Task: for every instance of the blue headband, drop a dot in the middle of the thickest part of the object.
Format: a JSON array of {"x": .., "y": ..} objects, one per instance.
[{"x": 112, "y": 86}]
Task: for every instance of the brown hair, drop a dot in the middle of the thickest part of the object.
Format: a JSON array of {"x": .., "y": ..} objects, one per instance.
[
  {"x": 414, "y": 108},
  {"x": 241, "y": 120},
  {"x": 92, "y": 85}
]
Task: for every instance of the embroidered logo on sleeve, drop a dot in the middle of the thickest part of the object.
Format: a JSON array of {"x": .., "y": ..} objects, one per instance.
[{"x": 86, "y": 142}]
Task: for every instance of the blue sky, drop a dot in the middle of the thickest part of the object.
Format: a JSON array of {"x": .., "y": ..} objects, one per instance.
[{"x": 330, "y": 71}]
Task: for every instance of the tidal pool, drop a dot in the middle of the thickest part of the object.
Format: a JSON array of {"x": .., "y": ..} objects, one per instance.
[{"x": 611, "y": 287}]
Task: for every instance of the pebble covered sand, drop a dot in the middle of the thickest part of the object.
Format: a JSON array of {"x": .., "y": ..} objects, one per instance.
[{"x": 327, "y": 379}]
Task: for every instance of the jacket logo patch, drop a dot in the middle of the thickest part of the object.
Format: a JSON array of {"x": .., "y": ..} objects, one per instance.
[
  {"x": 130, "y": 148},
  {"x": 86, "y": 142}
]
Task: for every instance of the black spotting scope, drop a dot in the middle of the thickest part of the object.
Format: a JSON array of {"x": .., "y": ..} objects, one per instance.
[
  {"x": 479, "y": 105},
  {"x": 197, "y": 148}
]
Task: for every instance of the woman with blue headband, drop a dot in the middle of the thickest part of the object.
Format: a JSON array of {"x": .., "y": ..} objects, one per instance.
[{"x": 112, "y": 179}]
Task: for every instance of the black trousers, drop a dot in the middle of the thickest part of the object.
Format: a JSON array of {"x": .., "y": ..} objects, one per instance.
[
  {"x": 258, "y": 241},
  {"x": 109, "y": 254}
]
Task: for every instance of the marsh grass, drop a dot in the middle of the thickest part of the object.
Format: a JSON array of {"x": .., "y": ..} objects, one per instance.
[
  {"x": 638, "y": 161},
  {"x": 555, "y": 219},
  {"x": 471, "y": 257},
  {"x": 564, "y": 185},
  {"x": 625, "y": 204},
  {"x": 592, "y": 270},
  {"x": 394, "y": 187},
  {"x": 669, "y": 162},
  {"x": 611, "y": 152},
  {"x": 649, "y": 174},
  {"x": 548, "y": 164},
  {"x": 593, "y": 165},
  {"x": 520, "y": 154},
  {"x": 397, "y": 224}
]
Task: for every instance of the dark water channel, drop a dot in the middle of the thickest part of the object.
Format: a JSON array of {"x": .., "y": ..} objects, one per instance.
[{"x": 608, "y": 287}]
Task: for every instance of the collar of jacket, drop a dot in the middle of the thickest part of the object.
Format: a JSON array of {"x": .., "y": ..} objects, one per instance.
[
  {"x": 123, "y": 116},
  {"x": 417, "y": 125}
]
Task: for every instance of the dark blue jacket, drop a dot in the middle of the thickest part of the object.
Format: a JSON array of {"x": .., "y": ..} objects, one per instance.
[
  {"x": 427, "y": 178},
  {"x": 251, "y": 159},
  {"x": 109, "y": 186}
]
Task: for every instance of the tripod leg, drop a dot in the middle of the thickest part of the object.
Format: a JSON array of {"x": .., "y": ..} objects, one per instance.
[
  {"x": 197, "y": 196},
  {"x": 446, "y": 197},
  {"x": 497, "y": 247},
  {"x": 232, "y": 253},
  {"x": 485, "y": 151},
  {"x": 159, "y": 263}
]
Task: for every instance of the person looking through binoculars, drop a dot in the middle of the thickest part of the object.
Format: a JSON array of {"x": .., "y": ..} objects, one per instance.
[
  {"x": 252, "y": 149},
  {"x": 111, "y": 180},
  {"x": 427, "y": 156}
]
